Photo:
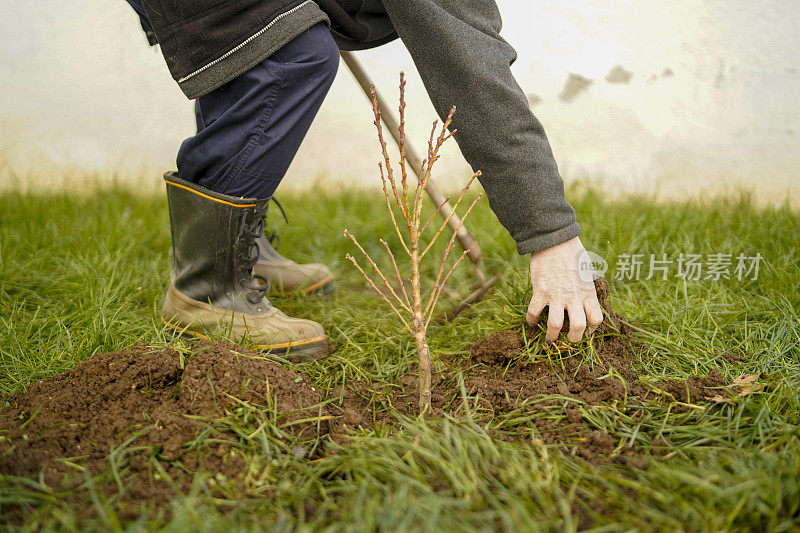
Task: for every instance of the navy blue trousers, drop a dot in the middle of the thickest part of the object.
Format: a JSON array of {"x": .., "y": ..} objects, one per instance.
[{"x": 249, "y": 130}]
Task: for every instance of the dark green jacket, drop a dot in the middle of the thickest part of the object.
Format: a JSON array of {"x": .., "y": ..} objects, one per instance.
[{"x": 457, "y": 49}]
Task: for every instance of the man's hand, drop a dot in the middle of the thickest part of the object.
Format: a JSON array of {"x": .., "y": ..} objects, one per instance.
[{"x": 558, "y": 285}]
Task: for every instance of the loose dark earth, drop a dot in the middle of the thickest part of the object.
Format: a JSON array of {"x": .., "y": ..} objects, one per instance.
[{"x": 146, "y": 406}]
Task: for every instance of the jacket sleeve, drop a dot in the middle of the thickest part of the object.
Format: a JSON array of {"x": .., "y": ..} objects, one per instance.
[{"x": 463, "y": 61}]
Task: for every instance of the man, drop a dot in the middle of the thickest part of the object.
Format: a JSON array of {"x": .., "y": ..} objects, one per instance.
[{"x": 259, "y": 71}]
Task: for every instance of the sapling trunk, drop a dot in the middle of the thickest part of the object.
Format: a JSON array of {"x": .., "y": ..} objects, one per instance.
[
  {"x": 420, "y": 333},
  {"x": 414, "y": 313}
]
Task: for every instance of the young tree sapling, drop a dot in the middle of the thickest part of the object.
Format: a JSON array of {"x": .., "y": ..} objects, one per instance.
[{"x": 414, "y": 311}]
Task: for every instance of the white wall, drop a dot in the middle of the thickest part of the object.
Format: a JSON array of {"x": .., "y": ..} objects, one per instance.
[{"x": 80, "y": 90}]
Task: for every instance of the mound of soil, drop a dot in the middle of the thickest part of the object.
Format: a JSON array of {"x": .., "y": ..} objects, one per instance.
[
  {"x": 95, "y": 407},
  {"x": 600, "y": 377}
]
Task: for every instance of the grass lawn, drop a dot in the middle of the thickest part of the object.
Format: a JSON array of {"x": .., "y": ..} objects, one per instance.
[{"x": 81, "y": 275}]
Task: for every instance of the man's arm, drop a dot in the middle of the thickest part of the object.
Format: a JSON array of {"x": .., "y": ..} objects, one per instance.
[{"x": 463, "y": 61}]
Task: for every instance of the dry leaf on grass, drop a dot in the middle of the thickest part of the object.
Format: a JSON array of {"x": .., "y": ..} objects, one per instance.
[
  {"x": 746, "y": 383},
  {"x": 718, "y": 399}
]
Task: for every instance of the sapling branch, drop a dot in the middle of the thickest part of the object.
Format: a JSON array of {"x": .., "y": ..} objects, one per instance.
[
  {"x": 397, "y": 272},
  {"x": 452, "y": 241},
  {"x": 430, "y": 218},
  {"x": 385, "y": 152},
  {"x": 402, "y": 143},
  {"x": 408, "y": 304},
  {"x": 438, "y": 290},
  {"x": 378, "y": 271},
  {"x": 452, "y": 212},
  {"x": 391, "y": 213},
  {"x": 372, "y": 283}
]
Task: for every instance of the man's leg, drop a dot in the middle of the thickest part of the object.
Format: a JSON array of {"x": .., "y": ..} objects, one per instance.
[{"x": 249, "y": 130}]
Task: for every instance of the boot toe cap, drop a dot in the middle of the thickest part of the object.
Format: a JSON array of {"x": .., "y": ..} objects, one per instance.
[{"x": 282, "y": 331}]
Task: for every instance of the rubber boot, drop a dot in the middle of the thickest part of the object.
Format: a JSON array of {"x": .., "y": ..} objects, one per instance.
[
  {"x": 212, "y": 288},
  {"x": 286, "y": 277}
]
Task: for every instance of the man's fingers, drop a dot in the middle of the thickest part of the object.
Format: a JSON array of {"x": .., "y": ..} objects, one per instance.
[
  {"x": 555, "y": 321},
  {"x": 535, "y": 309},
  {"x": 577, "y": 322},
  {"x": 594, "y": 313}
]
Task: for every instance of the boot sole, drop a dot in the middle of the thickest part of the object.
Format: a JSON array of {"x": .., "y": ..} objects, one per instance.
[
  {"x": 324, "y": 286},
  {"x": 310, "y": 350}
]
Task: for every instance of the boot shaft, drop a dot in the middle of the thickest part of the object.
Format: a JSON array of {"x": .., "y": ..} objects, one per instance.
[{"x": 213, "y": 245}]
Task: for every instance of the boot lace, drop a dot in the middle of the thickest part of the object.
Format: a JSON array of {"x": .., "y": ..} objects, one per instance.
[
  {"x": 273, "y": 237},
  {"x": 250, "y": 229}
]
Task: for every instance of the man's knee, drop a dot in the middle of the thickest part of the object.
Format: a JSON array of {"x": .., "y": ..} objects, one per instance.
[
  {"x": 330, "y": 56},
  {"x": 315, "y": 50},
  {"x": 326, "y": 50}
]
